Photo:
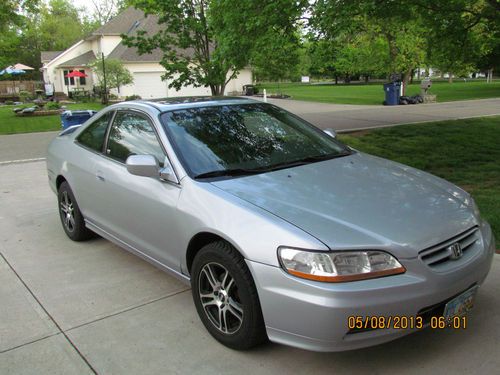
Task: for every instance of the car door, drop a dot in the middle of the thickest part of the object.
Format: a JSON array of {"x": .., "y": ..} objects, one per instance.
[
  {"x": 83, "y": 165},
  {"x": 139, "y": 211}
]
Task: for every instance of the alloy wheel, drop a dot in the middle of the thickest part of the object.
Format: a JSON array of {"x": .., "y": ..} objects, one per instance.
[
  {"x": 219, "y": 296},
  {"x": 67, "y": 211}
]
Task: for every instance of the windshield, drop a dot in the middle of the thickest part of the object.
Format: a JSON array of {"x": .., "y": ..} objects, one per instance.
[{"x": 246, "y": 138}]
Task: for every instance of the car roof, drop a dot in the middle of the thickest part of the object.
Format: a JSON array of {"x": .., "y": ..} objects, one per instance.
[{"x": 169, "y": 104}]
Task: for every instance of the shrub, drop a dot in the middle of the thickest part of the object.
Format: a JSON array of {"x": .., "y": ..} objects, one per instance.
[
  {"x": 24, "y": 95},
  {"x": 52, "y": 105},
  {"x": 9, "y": 102},
  {"x": 132, "y": 97}
]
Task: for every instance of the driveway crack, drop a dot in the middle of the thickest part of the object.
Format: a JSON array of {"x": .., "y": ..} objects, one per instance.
[{"x": 49, "y": 315}]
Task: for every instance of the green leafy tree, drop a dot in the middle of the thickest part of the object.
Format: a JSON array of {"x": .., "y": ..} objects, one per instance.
[
  {"x": 276, "y": 57},
  {"x": 54, "y": 27},
  {"x": 364, "y": 22},
  {"x": 116, "y": 73},
  {"x": 13, "y": 16},
  {"x": 463, "y": 34},
  {"x": 207, "y": 42}
]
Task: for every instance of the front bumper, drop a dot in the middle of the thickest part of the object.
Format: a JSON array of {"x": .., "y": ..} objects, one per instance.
[{"x": 314, "y": 316}]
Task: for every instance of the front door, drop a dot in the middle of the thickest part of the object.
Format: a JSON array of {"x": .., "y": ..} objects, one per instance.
[{"x": 140, "y": 211}]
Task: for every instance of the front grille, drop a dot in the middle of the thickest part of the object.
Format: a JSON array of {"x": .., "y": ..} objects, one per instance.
[{"x": 439, "y": 256}]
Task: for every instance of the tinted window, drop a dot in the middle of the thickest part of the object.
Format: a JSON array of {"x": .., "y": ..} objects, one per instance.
[
  {"x": 132, "y": 134},
  {"x": 249, "y": 136},
  {"x": 93, "y": 136}
]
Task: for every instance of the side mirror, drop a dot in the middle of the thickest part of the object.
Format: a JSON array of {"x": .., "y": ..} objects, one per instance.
[
  {"x": 332, "y": 133},
  {"x": 143, "y": 165}
]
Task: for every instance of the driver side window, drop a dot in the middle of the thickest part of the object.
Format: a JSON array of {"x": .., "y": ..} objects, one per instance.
[{"x": 133, "y": 134}]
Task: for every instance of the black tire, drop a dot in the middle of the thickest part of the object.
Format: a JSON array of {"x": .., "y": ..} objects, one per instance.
[
  {"x": 220, "y": 257},
  {"x": 70, "y": 215}
]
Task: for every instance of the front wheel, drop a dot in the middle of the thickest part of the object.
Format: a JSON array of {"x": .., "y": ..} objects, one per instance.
[
  {"x": 226, "y": 298},
  {"x": 71, "y": 217}
]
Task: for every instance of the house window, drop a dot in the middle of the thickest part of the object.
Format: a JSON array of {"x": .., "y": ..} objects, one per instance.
[
  {"x": 71, "y": 79},
  {"x": 83, "y": 81}
]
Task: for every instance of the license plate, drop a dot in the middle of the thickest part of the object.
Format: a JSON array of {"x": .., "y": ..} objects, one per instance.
[{"x": 461, "y": 304}]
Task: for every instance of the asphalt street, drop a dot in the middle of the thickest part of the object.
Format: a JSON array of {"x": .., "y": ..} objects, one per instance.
[
  {"x": 341, "y": 117},
  {"x": 83, "y": 308}
]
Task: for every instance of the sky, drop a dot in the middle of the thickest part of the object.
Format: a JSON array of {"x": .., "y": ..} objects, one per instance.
[{"x": 83, "y": 3}]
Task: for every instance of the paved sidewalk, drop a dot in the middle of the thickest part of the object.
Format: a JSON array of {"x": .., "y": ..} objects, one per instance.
[
  {"x": 341, "y": 117},
  {"x": 91, "y": 307}
]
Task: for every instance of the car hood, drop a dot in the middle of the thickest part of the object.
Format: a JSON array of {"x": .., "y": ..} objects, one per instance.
[{"x": 361, "y": 202}]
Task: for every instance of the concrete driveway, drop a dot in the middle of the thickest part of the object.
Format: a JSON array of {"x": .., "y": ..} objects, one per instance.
[
  {"x": 341, "y": 117},
  {"x": 78, "y": 308}
]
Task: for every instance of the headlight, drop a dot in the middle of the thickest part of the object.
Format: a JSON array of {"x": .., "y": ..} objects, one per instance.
[
  {"x": 334, "y": 267},
  {"x": 475, "y": 209}
]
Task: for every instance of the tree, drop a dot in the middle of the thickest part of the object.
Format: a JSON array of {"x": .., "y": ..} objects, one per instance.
[
  {"x": 452, "y": 35},
  {"x": 207, "y": 42},
  {"x": 11, "y": 12},
  {"x": 54, "y": 27},
  {"x": 463, "y": 34},
  {"x": 397, "y": 22},
  {"x": 276, "y": 56},
  {"x": 104, "y": 10},
  {"x": 116, "y": 73},
  {"x": 12, "y": 19}
]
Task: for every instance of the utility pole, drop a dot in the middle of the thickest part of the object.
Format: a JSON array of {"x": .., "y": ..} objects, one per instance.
[{"x": 105, "y": 91}]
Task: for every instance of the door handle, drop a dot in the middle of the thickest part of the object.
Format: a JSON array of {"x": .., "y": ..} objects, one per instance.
[{"x": 100, "y": 176}]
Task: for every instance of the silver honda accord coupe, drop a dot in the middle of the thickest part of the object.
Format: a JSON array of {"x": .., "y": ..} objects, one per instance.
[{"x": 283, "y": 232}]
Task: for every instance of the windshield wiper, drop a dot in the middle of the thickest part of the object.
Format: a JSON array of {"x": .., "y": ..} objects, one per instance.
[
  {"x": 306, "y": 160},
  {"x": 287, "y": 164},
  {"x": 228, "y": 172}
]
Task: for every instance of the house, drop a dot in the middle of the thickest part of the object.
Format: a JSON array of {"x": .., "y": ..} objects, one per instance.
[{"x": 146, "y": 69}]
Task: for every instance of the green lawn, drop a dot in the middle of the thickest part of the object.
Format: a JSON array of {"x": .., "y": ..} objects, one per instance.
[
  {"x": 374, "y": 93},
  {"x": 11, "y": 124},
  {"x": 465, "y": 152}
]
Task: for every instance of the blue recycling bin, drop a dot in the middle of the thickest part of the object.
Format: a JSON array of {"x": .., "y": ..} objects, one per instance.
[
  {"x": 70, "y": 118},
  {"x": 392, "y": 91}
]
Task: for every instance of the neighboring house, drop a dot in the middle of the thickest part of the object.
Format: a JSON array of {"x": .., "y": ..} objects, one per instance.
[{"x": 145, "y": 69}]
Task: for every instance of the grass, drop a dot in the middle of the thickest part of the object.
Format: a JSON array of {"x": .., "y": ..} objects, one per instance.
[
  {"x": 374, "y": 94},
  {"x": 464, "y": 152},
  {"x": 12, "y": 124}
]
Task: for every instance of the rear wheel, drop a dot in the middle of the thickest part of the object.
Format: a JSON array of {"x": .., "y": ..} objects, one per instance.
[
  {"x": 71, "y": 217},
  {"x": 226, "y": 298}
]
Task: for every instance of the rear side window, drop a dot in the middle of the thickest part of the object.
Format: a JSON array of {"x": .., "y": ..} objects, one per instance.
[
  {"x": 93, "y": 136},
  {"x": 133, "y": 134}
]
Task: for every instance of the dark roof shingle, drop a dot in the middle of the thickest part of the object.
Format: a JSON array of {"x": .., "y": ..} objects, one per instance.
[
  {"x": 47, "y": 56},
  {"x": 123, "y": 23},
  {"x": 81, "y": 60}
]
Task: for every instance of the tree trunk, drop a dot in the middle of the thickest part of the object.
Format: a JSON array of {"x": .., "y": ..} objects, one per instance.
[
  {"x": 489, "y": 76},
  {"x": 393, "y": 51},
  {"x": 406, "y": 79},
  {"x": 217, "y": 90},
  {"x": 450, "y": 78},
  {"x": 336, "y": 79}
]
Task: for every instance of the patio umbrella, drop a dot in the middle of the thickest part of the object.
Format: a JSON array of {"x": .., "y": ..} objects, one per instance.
[
  {"x": 12, "y": 71},
  {"x": 74, "y": 73},
  {"x": 22, "y": 67}
]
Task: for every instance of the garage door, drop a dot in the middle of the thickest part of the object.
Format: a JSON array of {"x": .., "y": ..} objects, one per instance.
[{"x": 148, "y": 85}]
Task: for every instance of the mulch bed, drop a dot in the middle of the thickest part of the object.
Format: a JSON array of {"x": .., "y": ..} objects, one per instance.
[{"x": 40, "y": 113}]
